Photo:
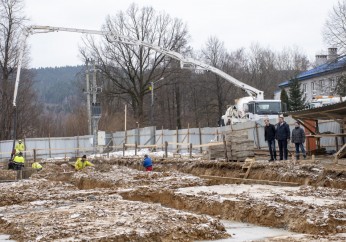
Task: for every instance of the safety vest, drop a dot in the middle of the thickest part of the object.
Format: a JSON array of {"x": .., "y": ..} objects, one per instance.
[
  {"x": 79, "y": 165},
  {"x": 19, "y": 147},
  {"x": 36, "y": 165},
  {"x": 19, "y": 159}
]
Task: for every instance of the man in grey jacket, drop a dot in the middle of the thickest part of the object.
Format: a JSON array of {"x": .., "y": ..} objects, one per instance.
[{"x": 298, "y": 138}]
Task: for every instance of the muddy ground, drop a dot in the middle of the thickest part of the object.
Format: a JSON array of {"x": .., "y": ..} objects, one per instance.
[{"x": 118, "y": 201}]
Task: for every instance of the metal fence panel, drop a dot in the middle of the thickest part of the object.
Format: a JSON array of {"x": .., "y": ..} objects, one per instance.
[
  {"x": 5, "y": 149},
  {"x": 76, "y": 146},
  {"x": 328, "y": 126},
  {"x": 51, "y": 147}
]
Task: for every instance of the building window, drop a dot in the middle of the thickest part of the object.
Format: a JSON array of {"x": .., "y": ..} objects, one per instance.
[
  {"x": 304, "y": 88},
  {"x": 313, "y": 89},
  {"x": 321, "y": 87},
  {"x": 332, "y": 83}
]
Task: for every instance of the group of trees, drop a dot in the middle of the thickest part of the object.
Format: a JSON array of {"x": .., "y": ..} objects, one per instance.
[
  {"x": 12, "y": 20},
  {"x": 182, "y": 97}
]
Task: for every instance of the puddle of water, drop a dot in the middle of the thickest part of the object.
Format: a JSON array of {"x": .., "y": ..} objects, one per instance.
[
  {"x": 249, "y": 232},
  {"x": 5, "y": 238},
  {"x": 240, "y": 232}
]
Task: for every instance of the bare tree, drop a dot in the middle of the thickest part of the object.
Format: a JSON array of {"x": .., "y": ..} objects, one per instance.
[
  {"x": 130, "y": 68},
  {"x": 11, "y": 22},
  {"x": 290, "y": 62},
  {"x": 334, "y": 32},
  {"x": 215, "y": 54},
  {"x": 268, "y": 68},
  {"x": 340, "y": 87}
]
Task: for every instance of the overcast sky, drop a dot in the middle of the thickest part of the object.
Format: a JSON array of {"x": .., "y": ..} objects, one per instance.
[{"x": 238, "y": 23}]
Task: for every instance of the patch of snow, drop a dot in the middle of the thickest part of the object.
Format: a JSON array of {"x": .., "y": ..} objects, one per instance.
[
  {"x": 313, "y": 200},
  {"x": 39, "y": 202},
  {"x": 75, "y": 215}
]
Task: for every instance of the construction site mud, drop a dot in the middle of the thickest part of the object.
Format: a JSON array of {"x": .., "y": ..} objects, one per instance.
[{"x": 182, "y": 200}]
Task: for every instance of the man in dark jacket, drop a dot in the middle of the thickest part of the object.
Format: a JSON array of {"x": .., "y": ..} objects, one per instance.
[
  {"x": 269, "y": 136},
  {"x": 298, "y": 138},
  {"x": 282, "y": 135}
]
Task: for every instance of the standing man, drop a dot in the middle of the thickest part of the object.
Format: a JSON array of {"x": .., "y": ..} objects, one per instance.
[
  {"x": 147, "y": 163},
  {"x": 19, "y": 146},
  {"x": 269, "y": 136},
  {"x": 283, "y": 136},
  {"x": 81, "y": 163},
  {"x": 298, "y": 138}
]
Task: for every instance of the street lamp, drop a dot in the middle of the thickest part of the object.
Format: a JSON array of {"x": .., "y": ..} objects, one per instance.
[{"x": 152, "y": 101}]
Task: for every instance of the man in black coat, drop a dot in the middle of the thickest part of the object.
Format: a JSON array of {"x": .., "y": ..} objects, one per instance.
[
  {"x": 283, "y": 135},
  {"x": 269, "y": 136}
]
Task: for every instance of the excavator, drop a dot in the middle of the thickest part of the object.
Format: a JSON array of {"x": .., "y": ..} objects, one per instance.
[{"x": 252, "y": 107}]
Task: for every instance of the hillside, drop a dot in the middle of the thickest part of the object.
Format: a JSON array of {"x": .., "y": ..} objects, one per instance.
[{"x": 56, "y": 84}]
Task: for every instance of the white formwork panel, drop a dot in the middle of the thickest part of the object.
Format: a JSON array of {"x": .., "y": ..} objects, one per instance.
[{"x": 5, "y": 149}]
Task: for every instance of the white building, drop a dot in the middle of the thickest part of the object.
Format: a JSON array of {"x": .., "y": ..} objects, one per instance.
[{"x": 322, "y": 79}]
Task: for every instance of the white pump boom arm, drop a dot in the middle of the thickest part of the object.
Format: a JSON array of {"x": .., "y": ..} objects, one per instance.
[{"x": 257, "y": 94}]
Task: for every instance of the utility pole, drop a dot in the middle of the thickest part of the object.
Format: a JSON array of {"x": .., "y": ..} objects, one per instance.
[
  {"x": 88, "y": 96},
  {"x": 125, "y": 128},
  {"x": 94, "y": 82},
  {"x": 152, "y": 104},
  {"x": 93, "y": 107},
  {"x": 96, "y": 113},
  {"x": 152, "y": 101}
]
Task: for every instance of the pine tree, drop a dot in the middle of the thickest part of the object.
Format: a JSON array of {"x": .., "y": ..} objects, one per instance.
[
  {"x": 284, "y": 99},
  {"x": 296, "y": 98}
]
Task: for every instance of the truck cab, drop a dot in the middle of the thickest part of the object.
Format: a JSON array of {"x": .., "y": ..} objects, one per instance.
[
  {"x": 258, "y": 109},
  {"x": 249, "y": 109}
]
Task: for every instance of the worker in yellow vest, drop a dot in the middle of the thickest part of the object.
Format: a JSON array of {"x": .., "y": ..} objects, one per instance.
[
  {"x": 17, "y": 163},
  {"x": 81, "y": 163},
  {"x": 37, "y": 166},
  {"x": 20, "y": 146}
]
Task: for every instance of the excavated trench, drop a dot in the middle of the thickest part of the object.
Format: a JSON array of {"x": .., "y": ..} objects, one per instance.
[
  {"x": 254, "y": 212},
  {"x": 60, "y": 204},
  {"x": 293, "y": 216},
  {"x": 304, "y": 174}
]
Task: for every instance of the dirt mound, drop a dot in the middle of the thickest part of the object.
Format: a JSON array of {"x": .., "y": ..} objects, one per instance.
[{"x": 8, "y": 175}]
